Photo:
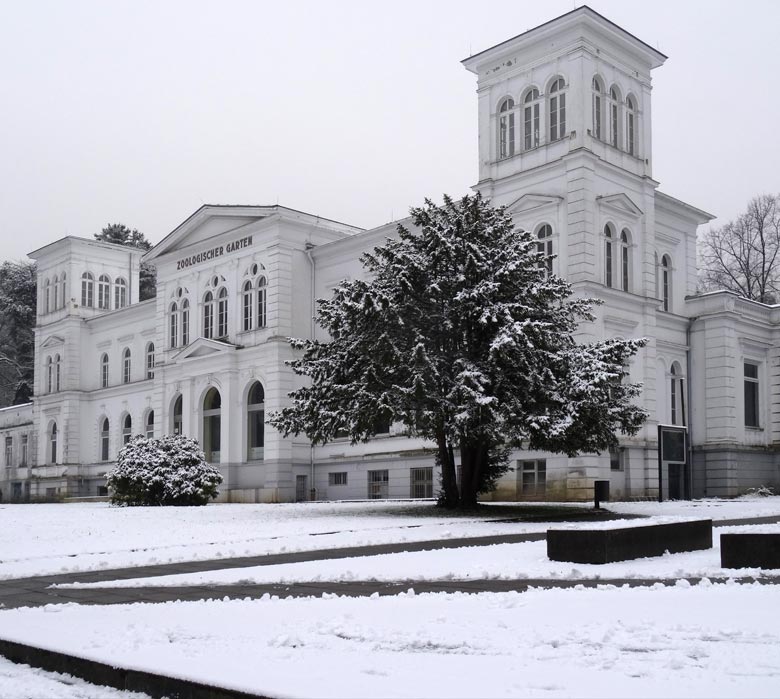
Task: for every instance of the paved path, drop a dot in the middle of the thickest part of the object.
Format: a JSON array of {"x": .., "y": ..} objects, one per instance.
[{"x": 37, "y": 591}]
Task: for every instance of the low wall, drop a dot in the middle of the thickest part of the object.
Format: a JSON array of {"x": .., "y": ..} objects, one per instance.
[{"x": 627, "y": 543}]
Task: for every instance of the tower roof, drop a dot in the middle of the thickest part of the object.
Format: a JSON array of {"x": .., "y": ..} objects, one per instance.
[{"x": 583, "y": 17}]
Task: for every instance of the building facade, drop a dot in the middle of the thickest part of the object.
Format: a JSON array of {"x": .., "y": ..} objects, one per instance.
[{"x": 565, "y": 143}]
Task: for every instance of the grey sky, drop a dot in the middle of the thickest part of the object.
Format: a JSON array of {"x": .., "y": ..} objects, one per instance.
[{"x": 138, "y": 112}]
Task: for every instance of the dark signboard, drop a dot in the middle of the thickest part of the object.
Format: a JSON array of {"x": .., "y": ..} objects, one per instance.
[{"x": 672, "y": 444}]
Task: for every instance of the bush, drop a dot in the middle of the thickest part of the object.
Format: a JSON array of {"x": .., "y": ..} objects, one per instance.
[{"x": 171, "y": 470}]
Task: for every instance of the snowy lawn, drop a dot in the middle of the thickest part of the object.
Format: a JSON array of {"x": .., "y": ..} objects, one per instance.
[
  {"x": 499, "y": 562},
  {"x": 693, "y": 641},
  {"x": 49, "y": 539}
]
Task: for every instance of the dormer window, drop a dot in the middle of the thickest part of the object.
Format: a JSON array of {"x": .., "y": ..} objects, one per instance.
[
  {"x": 557, "y": 109},
  {"x": 506, "y": 128},
  {"x": 531, "y": 119}
]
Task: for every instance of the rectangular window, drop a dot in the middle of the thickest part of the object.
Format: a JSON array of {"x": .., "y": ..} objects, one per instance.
[
  {"x": 339, "y": 478},
  {"x": 616, "y": 459},
  {"x": 9, "y": 451},
  {"x": 378, "y": 482},
  {"x": 630, "y": 134},
  {"x": 597, "y": 116},
  {"x": 25, "y": 453},
  {"x": 751, "y": 395},
  {"x": 554, "y": 119},
  {"x": 608, "y": 263},
  {"x": 421, "y": 482},
  {"x": 624, "y": 266},
  {"x": 533, "y": 478},
  {"x": 614, "y": 125}
]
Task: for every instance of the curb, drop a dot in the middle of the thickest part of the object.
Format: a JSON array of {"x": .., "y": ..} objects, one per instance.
[{"x": 157, "y": 686}]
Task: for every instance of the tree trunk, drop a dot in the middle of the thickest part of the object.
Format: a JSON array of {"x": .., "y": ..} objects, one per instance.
[
  {"x": 449, "y": 481},
  {"x": 473, "y": 459}
]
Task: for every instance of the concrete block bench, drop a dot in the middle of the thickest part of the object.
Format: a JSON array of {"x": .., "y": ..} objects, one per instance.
[
  {"x": 627, "y": 543},
  {"x": 754, "y": 550}
]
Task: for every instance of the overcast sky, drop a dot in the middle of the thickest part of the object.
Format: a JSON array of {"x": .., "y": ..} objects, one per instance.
[{"x": 139, "y": 112}]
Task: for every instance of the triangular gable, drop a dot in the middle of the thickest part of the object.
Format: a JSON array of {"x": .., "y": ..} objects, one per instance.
[
  {"x": 620, "y": 203},
  {"x": 209, "y": 222},
  {"x": 203, "y": 347},
  {"x": 530, "y": 202},
  {"x": 53, "y": 341}
]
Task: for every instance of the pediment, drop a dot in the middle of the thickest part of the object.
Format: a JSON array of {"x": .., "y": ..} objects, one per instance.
[
  {"x": 53, "y": 341},
  {"x": 203, "y": 347},
  {"x": 209, "y": 224},
  {"x": 621, "y": 204},
  {"x": 531, "y": 202}
]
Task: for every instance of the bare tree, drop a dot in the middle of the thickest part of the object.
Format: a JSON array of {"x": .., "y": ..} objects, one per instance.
[{"x": 744, "y": 255}]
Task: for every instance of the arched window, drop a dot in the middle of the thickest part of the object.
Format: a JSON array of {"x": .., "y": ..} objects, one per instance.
[
  {"x": 666, "y": 282},
  {"x": 46, "y": 296},
  {"x": 531, "y": 119},
  {"x": 676, "y": 395},
  {"x": 104, "y": 371},
  {"x": 248, "y": 303},
  {"x": 557, "y": 109},
  {"x": 255, "y": 419},
  {"x": 173, "y": 325},
  {"x": 104, "y": 439},
  {"x": 212, "y": 427},
  {"x": 53, "y": 443},
  {"x": 598, "y": 131},
  {"x": 222, "y": 313},
  {"x": 630, "y": 125},
  {"x": 104, "y": 292},
  {"x": 208, "y": 315},
  {"x": 57, "y": 372},
  {"x": 544, "y": 246},
  {"x": 614, "y": 116},
  {"x": 150, "y": 360},
  {"x": 127, "y": 429},
  {"x": 64, "y": 289},
  {"x": 149, "y": 426},
  {"x": 608, "y": 255},
  {"x": 625, "y": 260},
  {"x": 49, "y": 375},
  {"x": 262, "y": 289},
  {"x": 120, "y": 293},
  {"x": 87, "y": 290},
  {"x": 185, "y": 322},
  {"x": 506, "y": 128},
  {"x": 55, "y": 287},
  {"x": 126, "y": 365},
  {"x": 176, "y": 422}
]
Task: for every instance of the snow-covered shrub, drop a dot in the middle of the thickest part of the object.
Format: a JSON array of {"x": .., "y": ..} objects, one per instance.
[
  {"x": 763, "y": 491},
  {"x": 171, "y": 470}
]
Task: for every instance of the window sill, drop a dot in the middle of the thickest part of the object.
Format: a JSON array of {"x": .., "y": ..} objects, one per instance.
[{"x": 754, "y": 428}]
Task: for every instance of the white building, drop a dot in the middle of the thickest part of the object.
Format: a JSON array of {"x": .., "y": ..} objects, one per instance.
[{"x": 565, "y": 143}]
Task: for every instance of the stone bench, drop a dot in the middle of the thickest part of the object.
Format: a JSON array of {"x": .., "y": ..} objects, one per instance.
[
  {"x": 754, "y": 550},
  {"x": 627, "y": 543}
]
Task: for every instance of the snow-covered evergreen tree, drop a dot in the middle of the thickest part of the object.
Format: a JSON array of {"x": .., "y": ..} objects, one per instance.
[
  {"x": 459, "y": 332},
  {"x": 171, "y": 470}
]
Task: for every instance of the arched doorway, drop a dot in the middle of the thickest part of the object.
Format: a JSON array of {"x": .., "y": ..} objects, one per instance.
[
  {"x": 255, "y": 422},
  {"x": 212, "y": 418}
]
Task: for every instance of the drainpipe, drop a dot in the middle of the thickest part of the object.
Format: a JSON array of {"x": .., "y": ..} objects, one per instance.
[
  {"x": 309, "y": 248},
  {"x": 688, "y": 395}
]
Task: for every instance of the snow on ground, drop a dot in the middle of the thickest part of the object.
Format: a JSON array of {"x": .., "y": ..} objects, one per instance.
[
  {"x": 56, "y": 538},
  {"x": 25, "y": 682},
  {"x": 693, "y": 641},
  {"x": 49, "y": 539},
  {"x": 502, "y": 561}
]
